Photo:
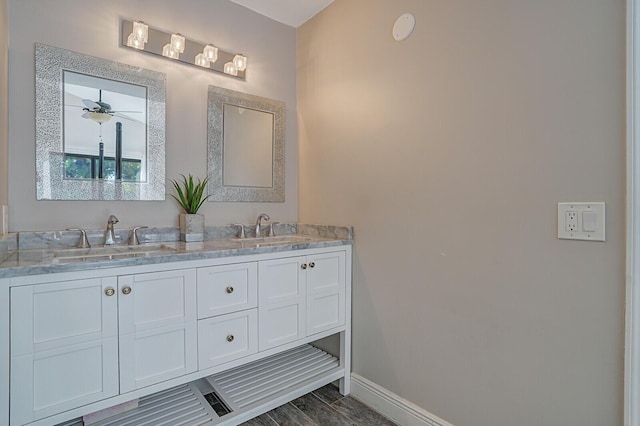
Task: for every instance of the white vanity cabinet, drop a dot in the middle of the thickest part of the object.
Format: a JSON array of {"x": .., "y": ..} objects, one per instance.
[
  {"x": 158, "y": 327},
  {"x": 300, "y": 296},
  {"x": 78, "y": 342},
  {"x": 64, "y": 346}
]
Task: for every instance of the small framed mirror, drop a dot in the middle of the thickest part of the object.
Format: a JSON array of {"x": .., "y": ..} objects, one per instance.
[
  {"x": 100, "y": 128},
  {"x": 246, "y": 136}
]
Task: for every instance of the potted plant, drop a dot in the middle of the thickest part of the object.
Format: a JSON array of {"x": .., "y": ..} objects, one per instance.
[{"x": 190, "y": 198}]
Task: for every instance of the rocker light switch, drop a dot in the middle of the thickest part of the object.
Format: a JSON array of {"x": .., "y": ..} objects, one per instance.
[{"x": 589, "y": 219}]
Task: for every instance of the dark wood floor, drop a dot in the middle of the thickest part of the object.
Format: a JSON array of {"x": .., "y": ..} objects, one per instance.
[{"x": 323, "y": 407}]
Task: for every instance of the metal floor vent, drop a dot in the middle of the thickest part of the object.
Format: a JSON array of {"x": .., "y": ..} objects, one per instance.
[{"x": 217, "y": 404}]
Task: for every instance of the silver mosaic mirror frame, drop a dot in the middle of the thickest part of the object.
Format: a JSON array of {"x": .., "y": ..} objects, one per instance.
[
  {"x": 217, "y": 98},
  {"x": 50, "y": 183}
]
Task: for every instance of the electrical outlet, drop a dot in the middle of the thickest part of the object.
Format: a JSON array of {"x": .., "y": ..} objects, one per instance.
[
  {"x": 581, "y": 221},
  {"x": 571, "y": 221}
]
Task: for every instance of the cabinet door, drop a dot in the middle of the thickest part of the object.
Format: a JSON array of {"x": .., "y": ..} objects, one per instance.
[
  {"x": 158, "y": 329},
  {"x": 64, "y": 347},
  {"x": 228, "y": 288},
  {"x": 281, "y": 301},
  {"x": 326, "y": 278}
]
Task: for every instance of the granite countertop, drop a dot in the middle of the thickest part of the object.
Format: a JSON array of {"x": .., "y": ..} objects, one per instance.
[{"x": 49, "y": 252}]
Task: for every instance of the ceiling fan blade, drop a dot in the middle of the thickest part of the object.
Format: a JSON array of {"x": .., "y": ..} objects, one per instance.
[
  {"x": 130, "y": 112},
  {"x": 125, "y": 117},
  {"x": 90, "y": 104}
]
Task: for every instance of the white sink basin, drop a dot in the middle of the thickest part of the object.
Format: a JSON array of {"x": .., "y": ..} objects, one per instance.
[
  {"x": 108, "y": 253},
  {"x": 281, "y": 239}
]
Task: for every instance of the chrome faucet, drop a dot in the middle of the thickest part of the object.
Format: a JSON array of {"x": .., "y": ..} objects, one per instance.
[
  {"x": 259, "y": 223},
  {"x": 109, "y": 234},
  {"x": 84, "y": 241}
]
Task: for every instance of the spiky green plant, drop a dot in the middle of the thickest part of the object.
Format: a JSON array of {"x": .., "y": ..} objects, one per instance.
[{"x": 190, "y": 193}]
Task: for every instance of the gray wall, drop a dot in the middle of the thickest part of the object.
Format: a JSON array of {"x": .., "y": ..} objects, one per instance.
[
  {"x": 91, "y": 27},
  {"x": 448, "y": 153},
  {"x": 4, "y": 77}
]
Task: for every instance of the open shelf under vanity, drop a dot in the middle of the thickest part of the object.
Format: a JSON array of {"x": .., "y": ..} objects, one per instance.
[{"x": 236, "y": 395}]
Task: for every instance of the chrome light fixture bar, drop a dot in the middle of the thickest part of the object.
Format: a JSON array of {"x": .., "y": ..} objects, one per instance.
[{"x": 176, "y": 47}]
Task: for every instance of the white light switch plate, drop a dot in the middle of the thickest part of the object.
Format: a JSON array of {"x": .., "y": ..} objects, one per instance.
[{"x": 590, "y": 221}]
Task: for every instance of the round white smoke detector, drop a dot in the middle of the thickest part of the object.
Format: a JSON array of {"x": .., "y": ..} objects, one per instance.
[{"x": 404, "y": 26}]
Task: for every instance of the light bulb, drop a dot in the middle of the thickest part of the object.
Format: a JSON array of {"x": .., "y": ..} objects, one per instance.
[
  {"x": 240, "y": 62},
  {"x": 169, "y": 52},
  {"x": 211, "y": 53},
  {"x": 201, "y": 60},
  {"x": 177, "y": 43},
  {"x": 133, "y": 41},
  {"x": 230, "y": 69},
  {"x": 141, "y": 31}
]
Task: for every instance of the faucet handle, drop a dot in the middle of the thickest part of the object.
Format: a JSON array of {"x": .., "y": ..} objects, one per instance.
[
  {"x": 272, "y": 233},
  {"x": 134, "y": 241},
  {"x": 84, "y": 241},
  {"x": 241, "y": 233}
]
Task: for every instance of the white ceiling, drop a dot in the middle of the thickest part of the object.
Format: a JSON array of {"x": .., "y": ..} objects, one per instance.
[{"x": 291, "y": 12}]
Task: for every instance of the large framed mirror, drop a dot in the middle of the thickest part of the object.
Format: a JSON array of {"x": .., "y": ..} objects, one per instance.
[
  {"x": 246, "y": 136},
  {"x": 100, "y": 128}
]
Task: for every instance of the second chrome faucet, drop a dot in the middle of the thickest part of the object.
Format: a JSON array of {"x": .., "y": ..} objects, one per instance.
[
  {"x": 110, "y": 234},
  {"x": 259, "y": 223}
]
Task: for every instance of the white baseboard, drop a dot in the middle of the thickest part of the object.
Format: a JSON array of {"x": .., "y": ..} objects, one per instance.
[{"x": 398, "y": 409}]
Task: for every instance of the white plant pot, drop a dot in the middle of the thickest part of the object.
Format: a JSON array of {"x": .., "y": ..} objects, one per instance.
[{"x": 191, "y": 227}]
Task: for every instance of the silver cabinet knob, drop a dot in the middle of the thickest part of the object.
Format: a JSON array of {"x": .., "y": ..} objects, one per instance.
[
  {"x": 126, "y": 290},
  {"x": 230, "y": 338},
  {"x": 312, "y": 264},
  {"x": 109, "y": 291},
  {"x": 303, "y": 266},
  {"x": 229, "y": 290}
]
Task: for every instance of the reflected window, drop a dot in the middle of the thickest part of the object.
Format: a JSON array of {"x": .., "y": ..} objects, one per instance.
[{"x": 91, "y": 167}]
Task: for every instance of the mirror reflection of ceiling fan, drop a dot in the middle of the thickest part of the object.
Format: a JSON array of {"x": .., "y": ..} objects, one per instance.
[{"x": 101, "y": 112}]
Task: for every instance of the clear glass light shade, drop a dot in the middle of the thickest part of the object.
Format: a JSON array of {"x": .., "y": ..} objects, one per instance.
[
  {"x": 169, "y": 52},
  {"x": 201, "y": 60},
  {"x": 240, "y": 62},
  {"x": 211, "y": 53},
  {"x": 230, "y": 69},
  {"x": 141, "y": 31},
  {"x": 133, "y": 41},
  {"x": 177, "y": 42}
]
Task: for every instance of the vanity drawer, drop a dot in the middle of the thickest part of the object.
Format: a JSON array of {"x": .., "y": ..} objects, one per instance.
[
  {"x": 227, "y": 337},
  {"x": 226, "y": 289}
]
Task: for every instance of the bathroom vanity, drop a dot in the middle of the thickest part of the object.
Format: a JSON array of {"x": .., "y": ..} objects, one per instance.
[{"x": 232, "y": 320}]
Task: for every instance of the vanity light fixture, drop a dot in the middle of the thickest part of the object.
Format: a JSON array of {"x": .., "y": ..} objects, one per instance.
[
  {"x": 230, "y": 68},
  {"x": 169, "y": 52},
  {"x": 138, "y": 35},
  {"x": 177, "y": 42},
  {"x": 141, "y": 31},
  {"x": 202, "y": 61},
  {"x": 240, "y": 62},
  {"x": 132, "y": 41},
  {"x": 210, "y": 53}
]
